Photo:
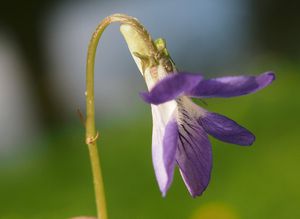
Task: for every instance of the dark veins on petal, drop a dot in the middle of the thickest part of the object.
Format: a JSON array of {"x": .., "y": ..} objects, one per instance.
[{"x": 194, "y": 156}]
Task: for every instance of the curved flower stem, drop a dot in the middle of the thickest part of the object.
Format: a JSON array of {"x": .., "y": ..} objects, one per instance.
[{"x": 91, "y": 134}]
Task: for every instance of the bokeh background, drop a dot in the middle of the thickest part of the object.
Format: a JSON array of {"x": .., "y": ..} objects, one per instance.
[{"x": 44, "y": 167}]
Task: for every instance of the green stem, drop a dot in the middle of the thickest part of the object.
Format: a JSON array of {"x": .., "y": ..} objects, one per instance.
[{"x": 91, "y": 134}]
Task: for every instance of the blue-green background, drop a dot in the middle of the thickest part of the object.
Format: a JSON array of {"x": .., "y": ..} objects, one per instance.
[{"x": 51, "y": 177}]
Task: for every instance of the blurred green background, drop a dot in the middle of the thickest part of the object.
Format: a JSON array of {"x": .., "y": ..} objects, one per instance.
[{"x": 44, "y": 166}]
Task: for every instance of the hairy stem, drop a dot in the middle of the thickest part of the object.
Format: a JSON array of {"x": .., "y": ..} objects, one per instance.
[{"x": 91, "y": 134}]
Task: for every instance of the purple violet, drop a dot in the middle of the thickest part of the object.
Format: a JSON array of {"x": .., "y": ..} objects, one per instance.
[{"x": 181, "y": 128}]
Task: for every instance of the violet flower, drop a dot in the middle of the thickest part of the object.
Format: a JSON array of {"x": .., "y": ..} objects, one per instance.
[{"x": 181, "y": 128}]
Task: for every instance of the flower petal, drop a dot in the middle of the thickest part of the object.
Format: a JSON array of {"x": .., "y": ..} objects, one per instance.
[
  {"x": 194, "y": 153},
  {"x": 171, "y": 87},
  {"x": 164, "y": 144},
  {"x": 226, "y": 130},
  {"x": 231, "y": 86}
]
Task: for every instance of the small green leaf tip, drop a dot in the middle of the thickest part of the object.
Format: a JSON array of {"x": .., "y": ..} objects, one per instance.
[{"x": 161, "y": 46}]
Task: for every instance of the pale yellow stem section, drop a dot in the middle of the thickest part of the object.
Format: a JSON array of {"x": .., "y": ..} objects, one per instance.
[{"x": 91, "y": 133}]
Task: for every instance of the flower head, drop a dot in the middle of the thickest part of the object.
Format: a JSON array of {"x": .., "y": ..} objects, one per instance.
[{"x": 180, "y": 127}]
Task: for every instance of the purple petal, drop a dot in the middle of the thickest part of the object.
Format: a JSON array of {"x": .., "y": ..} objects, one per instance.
[
  {"x": 164, "y": 146},
  {"x": 231, "y": 86},
  {"x": 194, "y": 155},
  {"x": 171, "y": 87},
  {"x": 226, "y": 129}
]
